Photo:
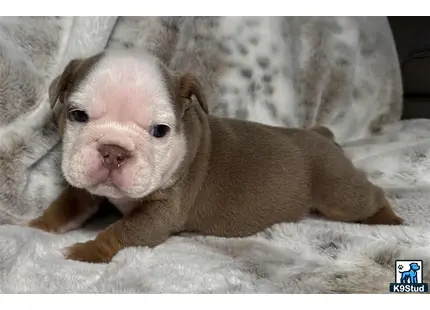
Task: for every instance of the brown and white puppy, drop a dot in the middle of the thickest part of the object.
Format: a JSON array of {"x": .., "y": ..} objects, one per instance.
[{"x": 133, "y": 133}]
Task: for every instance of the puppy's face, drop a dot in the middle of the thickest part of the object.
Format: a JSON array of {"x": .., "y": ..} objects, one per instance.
[{"x": 122, "y": 123}]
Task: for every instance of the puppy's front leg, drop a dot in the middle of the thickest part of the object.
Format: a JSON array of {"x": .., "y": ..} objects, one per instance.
[
  {"x": 148, "y": 225},
  {"x": 69, "y": 211}
]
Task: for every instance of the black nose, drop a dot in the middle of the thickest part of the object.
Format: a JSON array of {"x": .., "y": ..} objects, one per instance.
[{"x": 113, "y": 156}]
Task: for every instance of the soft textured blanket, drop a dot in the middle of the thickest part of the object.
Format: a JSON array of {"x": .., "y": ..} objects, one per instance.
[{"x": 290, "y": 71}]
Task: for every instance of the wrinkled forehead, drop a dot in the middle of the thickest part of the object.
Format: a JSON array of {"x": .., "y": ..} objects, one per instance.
[{"x": 126, "y": 87}]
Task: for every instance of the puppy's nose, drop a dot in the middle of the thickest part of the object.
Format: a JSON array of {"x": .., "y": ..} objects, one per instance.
[{"x": 113, "y": 156}]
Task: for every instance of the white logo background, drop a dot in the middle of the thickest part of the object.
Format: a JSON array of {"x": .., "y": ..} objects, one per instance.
[{"x": 403, "y": 265}]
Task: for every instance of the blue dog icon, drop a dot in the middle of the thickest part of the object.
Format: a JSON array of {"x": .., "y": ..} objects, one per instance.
[{"x": 410, "y": 276}]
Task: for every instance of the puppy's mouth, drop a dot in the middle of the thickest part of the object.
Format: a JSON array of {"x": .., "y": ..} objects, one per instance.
[
  {"x": 112, "y": 179},
  {"x": 108, "y": 182},
  {"x": 107, "y": 187}
]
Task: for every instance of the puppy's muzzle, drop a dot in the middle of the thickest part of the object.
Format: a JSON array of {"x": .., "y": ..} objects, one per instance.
[{"x": 113, "y": 156}]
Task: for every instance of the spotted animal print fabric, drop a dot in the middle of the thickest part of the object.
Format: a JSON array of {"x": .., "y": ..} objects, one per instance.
[{"x": 342, "y": 72}]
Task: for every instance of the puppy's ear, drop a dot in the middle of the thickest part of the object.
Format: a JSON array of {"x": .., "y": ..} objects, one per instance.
[
  {"x": 189, "y": 86},
  {"x": 62, "y": 83},
  {"x": 73, "y": 73}
]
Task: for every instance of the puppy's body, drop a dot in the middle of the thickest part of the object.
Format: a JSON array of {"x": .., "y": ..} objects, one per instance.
[
  {"x": 247, "y": 176},
  {"x": 205, "y": 174},
  {"x": 256, "y": 175}
]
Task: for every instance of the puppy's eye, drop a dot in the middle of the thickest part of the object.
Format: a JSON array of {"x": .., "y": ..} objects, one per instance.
[
  {"x": 159, "y": 131},
  {"x": 78, "y": 116}
]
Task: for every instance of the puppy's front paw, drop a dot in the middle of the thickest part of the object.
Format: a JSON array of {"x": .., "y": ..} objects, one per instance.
[
  {"x": 42, "y": 224},
  {"x": 88, "y": 252}
]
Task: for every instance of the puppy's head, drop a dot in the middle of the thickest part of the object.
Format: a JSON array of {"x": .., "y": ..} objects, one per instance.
[{"x": 122, "y": 122}]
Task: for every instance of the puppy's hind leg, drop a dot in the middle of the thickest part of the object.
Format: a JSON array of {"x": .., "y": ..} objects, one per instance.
[
  {"x": 385, "y": 215},
  {"x": 347, "y": 195}
]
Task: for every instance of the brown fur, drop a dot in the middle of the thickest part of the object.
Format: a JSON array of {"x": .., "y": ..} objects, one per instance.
[
  {"x": 71, "y": 204},
  {"x": 74, "y": 74},
  {"x": 238, "y": 178}
]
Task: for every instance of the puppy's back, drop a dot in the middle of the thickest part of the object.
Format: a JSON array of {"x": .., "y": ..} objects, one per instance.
[
  {"x": 257, "y": 176},
  {"x": 260, "y": 175}
]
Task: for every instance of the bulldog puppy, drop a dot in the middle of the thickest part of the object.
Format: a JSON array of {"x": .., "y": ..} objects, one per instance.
[{"x": 140, "y": 135}]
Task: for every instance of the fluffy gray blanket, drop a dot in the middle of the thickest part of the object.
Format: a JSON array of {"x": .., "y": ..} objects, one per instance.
[{"x": 292, "y": 71}]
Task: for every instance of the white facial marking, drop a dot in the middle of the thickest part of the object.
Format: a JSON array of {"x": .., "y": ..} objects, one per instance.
[{"x": 124, "y": 95}]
